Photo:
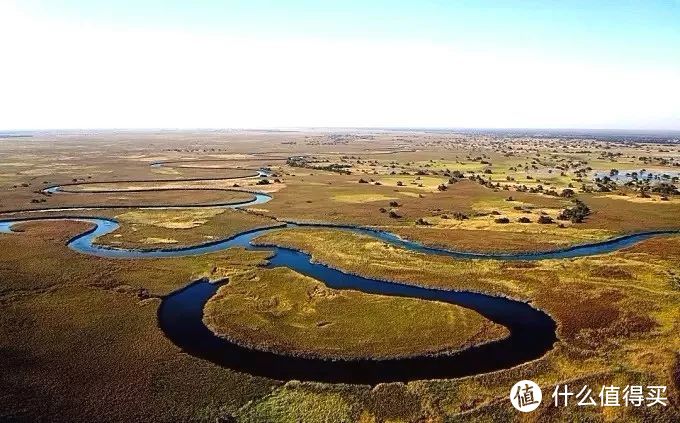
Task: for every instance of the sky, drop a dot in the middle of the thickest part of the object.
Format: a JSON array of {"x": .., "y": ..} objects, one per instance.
[{"x": 268, "y": 64}]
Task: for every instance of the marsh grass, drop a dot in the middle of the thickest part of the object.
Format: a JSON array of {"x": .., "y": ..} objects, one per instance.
[{"x": 283, "y": 311}]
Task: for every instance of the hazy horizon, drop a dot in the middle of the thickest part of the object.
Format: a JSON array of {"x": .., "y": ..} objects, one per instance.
[{"x": 298, "y": 64}]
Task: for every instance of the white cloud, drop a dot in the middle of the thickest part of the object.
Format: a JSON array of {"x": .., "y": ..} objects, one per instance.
[{"x": 57, "y": 75}]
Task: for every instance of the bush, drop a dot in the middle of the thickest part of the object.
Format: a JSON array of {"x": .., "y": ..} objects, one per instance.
[
  {"x": 459, "y": 215},
  {"x": 567, "y": 193},
  {"x": 363, "y": 181},
  {"x": 576, "y": 214},
  {"x": 442, "y": 187},
  {"x": 524, "y": 219},
  {"x": 502, "y": 220},
  {"x": 394, "y": 215},
  {"x": 543, "y": 219},
  {"x": 422, "y": 221},
  {"x": 666, "y": 189},
  {"x": 394, "y": 204}
]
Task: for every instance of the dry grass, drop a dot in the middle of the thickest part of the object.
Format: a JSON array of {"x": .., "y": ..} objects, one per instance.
[{"x": 183, "y": 226}]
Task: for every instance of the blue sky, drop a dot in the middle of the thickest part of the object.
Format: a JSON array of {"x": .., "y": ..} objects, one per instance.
[{"x": 612, "y": 51}]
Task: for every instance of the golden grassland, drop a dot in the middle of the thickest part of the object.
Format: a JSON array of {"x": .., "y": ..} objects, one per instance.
[
  {"x": 79, "y": 344},
  {"x": 341, "y": 199},
  {"x": 280, "y": 310},
  {"x": 148, "y": 228},
  {"x": 626, "y": 328}
]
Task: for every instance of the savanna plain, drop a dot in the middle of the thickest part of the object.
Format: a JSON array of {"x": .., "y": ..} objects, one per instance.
[{"x": 79, "y": 334}]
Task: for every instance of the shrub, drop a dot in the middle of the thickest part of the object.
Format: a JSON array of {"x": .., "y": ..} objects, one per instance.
[
  {"x": 576, "y": 214},
  {"x": 524, "y": 219},
  {"x": 459, "y": 215},
  {"x": 363, "y": 181},
  {"x": 567, "y": 193},
  {"x": 543, "y": 219},
  {"x": 502, "y": 220},
  {"x": 666, "y": 189},
  {"x": 394, "y": 215}
]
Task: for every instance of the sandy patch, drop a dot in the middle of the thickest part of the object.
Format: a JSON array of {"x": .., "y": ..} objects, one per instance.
[
  {"x": 653, "y": 199},
  {"x": 361, "y": 198},
  {"x": 159, "y": 241},
  {"x": 185, "y": 219}
]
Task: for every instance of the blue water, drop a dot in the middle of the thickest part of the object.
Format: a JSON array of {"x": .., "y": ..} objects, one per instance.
[{"x": 180, "y": 316}]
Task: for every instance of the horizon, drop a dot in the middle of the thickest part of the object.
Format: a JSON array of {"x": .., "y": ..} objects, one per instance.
[{"x": 230, "y": 64}]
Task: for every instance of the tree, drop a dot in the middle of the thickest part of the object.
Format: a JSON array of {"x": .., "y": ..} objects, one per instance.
[
  {"x": 576, "y": 213},
  {"x": 544, "y": 219}
]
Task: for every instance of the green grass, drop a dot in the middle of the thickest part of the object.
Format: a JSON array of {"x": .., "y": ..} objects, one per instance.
[{"x": 281, "y": 310}]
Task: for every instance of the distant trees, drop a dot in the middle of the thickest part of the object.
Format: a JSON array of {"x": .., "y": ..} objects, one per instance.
[
  {"x": 459, "y": 215},
  {"x": 567, "y": 193},
  {"x": 575, "y": 214},
  {"x": 666, "y": 189},
  {"x": 545, "y": 219}
]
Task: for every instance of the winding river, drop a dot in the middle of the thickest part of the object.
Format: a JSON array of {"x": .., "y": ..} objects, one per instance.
[{"x": 180, "y": 315}]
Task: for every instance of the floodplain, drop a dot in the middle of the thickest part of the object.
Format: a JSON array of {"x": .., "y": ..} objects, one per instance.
[{"x": 80, "y": 337}]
